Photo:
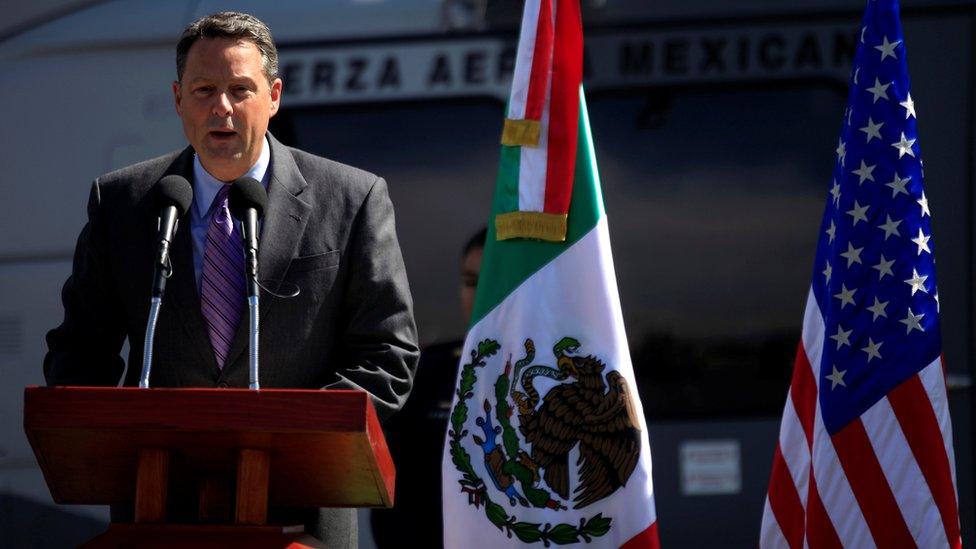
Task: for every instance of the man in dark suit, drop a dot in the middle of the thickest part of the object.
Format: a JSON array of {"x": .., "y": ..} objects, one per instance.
[{"x": 328, "y": 229}]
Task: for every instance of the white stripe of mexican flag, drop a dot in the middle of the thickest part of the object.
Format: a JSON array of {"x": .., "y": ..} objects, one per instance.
[{"x": 547, "y": 441}]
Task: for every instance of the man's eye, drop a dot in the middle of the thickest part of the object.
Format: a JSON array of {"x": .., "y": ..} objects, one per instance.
[{"x": 203, "y": 90}]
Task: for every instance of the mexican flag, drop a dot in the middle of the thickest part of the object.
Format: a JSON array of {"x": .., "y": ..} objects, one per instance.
[{"x": 547, "y": 442}]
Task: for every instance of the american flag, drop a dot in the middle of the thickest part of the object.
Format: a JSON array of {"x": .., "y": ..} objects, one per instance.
[{"x": 865, "y": 448}]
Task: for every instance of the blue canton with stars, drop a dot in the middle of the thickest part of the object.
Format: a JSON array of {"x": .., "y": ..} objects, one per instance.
[{"x": 874, "y": 277}]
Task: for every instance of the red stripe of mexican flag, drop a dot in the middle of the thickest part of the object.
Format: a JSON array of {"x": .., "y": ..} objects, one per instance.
[
  {"x": 567, "y": 74},
  {"x": 549, "y": 59},
  {"x": 541, "y": 63}
]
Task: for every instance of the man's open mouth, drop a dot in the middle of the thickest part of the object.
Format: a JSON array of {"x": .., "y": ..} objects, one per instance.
[{"x": 223, "y": 134}]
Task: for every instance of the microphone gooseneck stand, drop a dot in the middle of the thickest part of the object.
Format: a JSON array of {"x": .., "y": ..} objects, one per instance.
[
  {"x": 247, "y": 200},
  {"x": 174, "y": 195}
]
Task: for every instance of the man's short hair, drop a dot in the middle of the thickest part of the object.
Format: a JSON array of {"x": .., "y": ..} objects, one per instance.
[
  {"x": 475, "y": 242},
  {"x": 234, "y": 25}
]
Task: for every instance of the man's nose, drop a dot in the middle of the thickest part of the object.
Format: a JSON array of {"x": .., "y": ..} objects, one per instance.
[{"x": 222, "y": 106}]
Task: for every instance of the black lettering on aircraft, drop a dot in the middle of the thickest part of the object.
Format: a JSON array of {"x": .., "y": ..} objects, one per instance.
[
  {"x": 441, "y": 73},
  {"x": 323, "y": 76},
  {"x": 474, "y": 68},
  {"x": 744, "y": 51},
  {"x": 771, "y": 52},
  {"x": 636, "y": 58},
  {"x": 845, "y": 46},
  {"x": 808, "y": 54},
  {"x": 356, "y": 66},
  {"x": 390, "y": 77},
  {"x": 676, "y": 56},
  {"x": 713, "y": 48}
]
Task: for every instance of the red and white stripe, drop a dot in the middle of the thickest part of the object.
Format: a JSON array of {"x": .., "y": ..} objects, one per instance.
[
  {"x": 886, "y": 480},
  {"x": 545, "y": 88}
]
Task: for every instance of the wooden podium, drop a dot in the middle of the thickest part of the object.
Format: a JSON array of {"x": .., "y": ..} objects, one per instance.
[{"x": 234, "y": 451}]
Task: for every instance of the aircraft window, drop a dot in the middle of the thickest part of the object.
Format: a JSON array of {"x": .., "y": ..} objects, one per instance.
[{"x": 714, "y": 198}]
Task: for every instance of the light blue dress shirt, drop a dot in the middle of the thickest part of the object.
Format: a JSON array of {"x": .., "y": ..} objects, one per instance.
[{"x": 205, "y": 188}]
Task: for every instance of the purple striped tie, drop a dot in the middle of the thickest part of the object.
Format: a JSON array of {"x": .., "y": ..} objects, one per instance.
[{"x": 222, "y": 289}]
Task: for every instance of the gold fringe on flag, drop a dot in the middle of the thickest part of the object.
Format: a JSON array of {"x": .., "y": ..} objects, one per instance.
[
  {"x": 538, "y": 225},
  {"x": 523, "y": 132}
]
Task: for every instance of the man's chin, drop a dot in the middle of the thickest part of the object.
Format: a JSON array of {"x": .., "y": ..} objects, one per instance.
[{"x": 220, "y": 162}]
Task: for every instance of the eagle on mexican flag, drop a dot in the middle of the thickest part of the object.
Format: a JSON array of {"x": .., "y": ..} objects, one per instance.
[{"x": 547, "y": 442}]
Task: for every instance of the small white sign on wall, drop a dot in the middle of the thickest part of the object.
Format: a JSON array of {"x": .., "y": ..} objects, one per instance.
[{"x": 710, "y": 467}]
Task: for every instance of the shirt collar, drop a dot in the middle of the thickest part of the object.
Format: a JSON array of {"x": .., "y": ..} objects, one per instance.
[{"x": 206, "y": 186}]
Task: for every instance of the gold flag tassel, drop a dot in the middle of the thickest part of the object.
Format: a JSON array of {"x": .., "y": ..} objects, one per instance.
[
  {"x": 538, "y": 225},
  {"x": 522, "y": 132}
]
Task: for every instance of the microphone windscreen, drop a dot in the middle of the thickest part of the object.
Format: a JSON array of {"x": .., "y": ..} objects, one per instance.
[
  {"x": 246, "y": 193},
  {"x": 174, "y": 190}
]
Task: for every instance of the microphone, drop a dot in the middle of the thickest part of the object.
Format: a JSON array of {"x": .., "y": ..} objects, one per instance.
[
  {"x": 172, "y": 195},
  {"x": 247, "y": 201}
]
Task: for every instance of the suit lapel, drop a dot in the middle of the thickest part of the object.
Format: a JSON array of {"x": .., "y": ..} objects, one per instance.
[
  {"x": 182, "y": 286},
  {"x": 281, "y": 232}
]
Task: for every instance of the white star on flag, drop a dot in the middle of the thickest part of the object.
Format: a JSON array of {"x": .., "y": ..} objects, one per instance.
[
  {"x": 842, "y": 337},
  {"x": 887, "y": 48},
  {"x": 879, "y": 91},
  {"x": 845, "y": 296},
  {"x": 909, "y": 106},
  {"x": 878, "y": 309},
  {"x": 890, "y": 227},
  {"x": 835, "y": 192},
  {"x": 917, "y": 282},
  {"x": 872, "y": 130},
  {"x": 897, "y": 185},
  {"x": 924, "y": 203},
  {"x": 864, "y": 173},
  {"x": 841, "y": 151},
  {"x": 872, "y": 349},
  {"x": 911, "y": 320},
  {"x": 922, "y": 241},
  {"x": 852, "y": 255},
  {"x": 858, "y": 213},
  {"x": 837, "y": 378},
  {"x": 884, "y": 267},
  {"x": 904, "y": 146}
]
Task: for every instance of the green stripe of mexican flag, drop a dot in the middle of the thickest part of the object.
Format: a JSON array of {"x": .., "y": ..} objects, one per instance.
[{"x": 547, "y": 441}]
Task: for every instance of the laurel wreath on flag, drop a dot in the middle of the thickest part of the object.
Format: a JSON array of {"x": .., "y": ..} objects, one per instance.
[{"x": 471, "y": 483}]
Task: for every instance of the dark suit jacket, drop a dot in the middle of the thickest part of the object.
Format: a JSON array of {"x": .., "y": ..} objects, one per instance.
[{"x": 328, "y": 228}]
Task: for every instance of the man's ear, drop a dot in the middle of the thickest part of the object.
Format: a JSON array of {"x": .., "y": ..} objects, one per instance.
[
  {"x": 178, "y": 98},
  {"x": 275, "y": 95}
]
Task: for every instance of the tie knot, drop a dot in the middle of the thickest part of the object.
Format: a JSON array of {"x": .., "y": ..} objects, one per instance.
[
  {"x": 221, "y": 195},
  {"x": 219, "y": 205}
]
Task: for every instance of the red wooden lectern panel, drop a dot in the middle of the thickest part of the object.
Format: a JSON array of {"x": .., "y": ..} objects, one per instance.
[{"x": 284, "y": 448}]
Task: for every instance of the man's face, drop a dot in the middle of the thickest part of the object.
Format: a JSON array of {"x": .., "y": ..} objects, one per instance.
[
  {"x": 225, "y": 102},
  {"x": 470, "y": 267}
]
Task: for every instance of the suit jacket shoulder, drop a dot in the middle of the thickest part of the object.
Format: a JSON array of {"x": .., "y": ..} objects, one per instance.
[
  {"x": 333, "y": 178},
  {"x": 309, "y": 163},
  {"x": 131, "y": 184}
]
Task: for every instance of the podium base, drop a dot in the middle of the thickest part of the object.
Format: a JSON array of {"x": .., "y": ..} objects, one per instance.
[{"x": 193, "y": 536}]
